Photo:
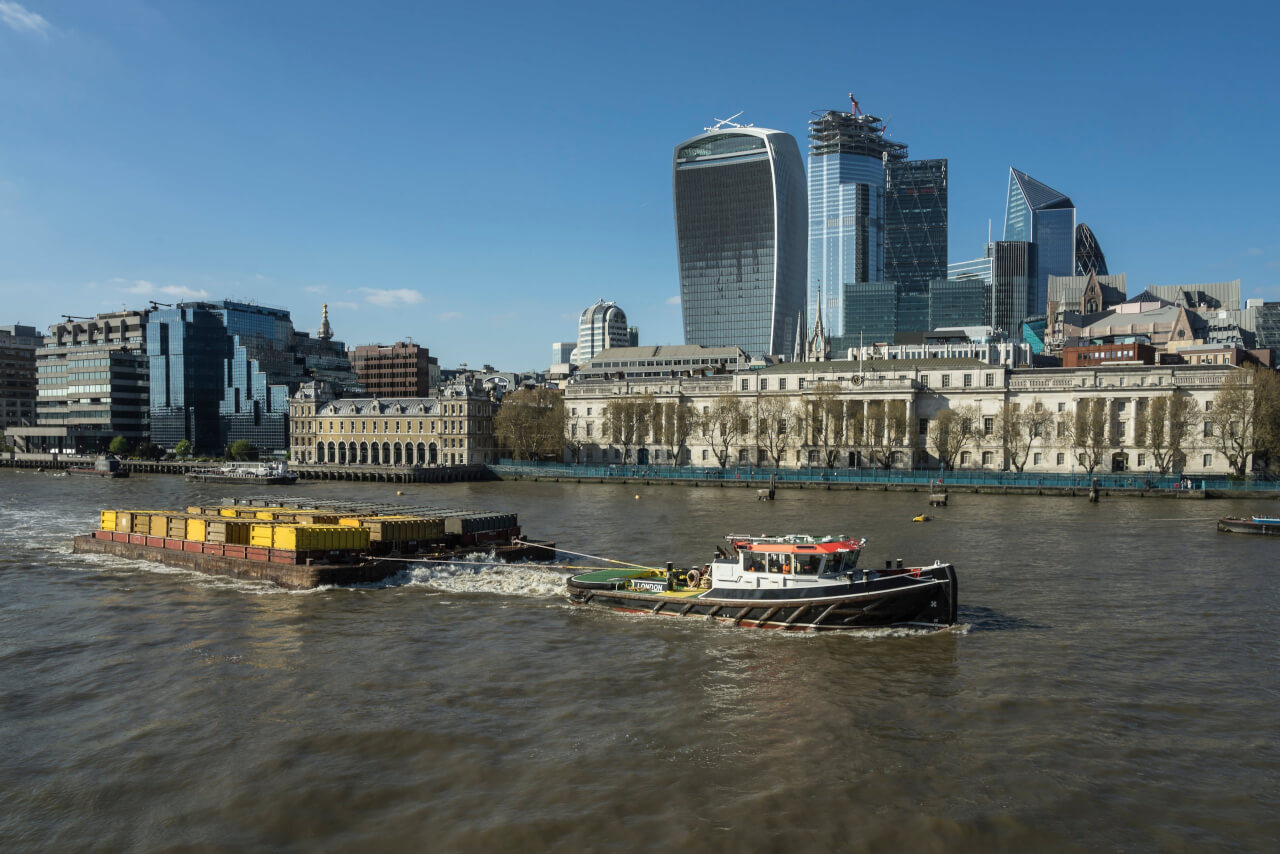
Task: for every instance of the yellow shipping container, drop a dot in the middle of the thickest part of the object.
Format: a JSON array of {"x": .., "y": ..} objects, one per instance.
[
  {"x": 107, "y": 520},
  {"x": 229, "y": 512},
  {"x": 265, "y": 515},
  {"x": 159, "y": 525},
  {"x": 260, "y": 536},
  {"x": 196, "y": 529}
]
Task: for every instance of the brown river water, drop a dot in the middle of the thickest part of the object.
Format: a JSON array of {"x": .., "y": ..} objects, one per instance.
[{"x": 1115, "y": 687}]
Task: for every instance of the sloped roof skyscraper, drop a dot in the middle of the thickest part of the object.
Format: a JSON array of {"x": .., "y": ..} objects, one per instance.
[{"x": 1037, "y": 213}]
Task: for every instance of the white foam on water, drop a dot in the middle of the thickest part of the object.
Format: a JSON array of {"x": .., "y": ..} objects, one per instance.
[
  {"x": 482, "y": 572},
  {"x": 123, "y": 565}
]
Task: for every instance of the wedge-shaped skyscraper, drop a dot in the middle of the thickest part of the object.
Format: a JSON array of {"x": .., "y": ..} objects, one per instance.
[
  {"x": 740, "y": 214},
  {"x": 1037, "y": 213}
]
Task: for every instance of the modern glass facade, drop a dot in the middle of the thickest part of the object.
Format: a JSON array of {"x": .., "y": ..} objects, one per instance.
[
  {"x": 1089, "y": 257},
  {"x": 847, "y": 209},
  {"x": 1014, "y": 283},
  {"x": 599, "y": 326},
  {"x": 740, "y": 236},
  {"x": 224, "y": 371},
  {"x": 1037, "y": 213},
  {"x": 870, "y": 314},
  {"x": 959, "y": 302},
  {"x": 915, "y": 231}
]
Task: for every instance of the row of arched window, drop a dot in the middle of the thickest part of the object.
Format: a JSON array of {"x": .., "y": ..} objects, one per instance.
[{"x": 377, "y": 454}]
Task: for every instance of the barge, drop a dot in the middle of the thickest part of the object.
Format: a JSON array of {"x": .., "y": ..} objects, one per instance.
[
  {"x": 1266, "y": 525},
  {"x": 793, "y": 583},
  {"x": 306, "y": 545}
]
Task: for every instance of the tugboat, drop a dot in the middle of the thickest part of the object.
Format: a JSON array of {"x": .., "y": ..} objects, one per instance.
[
  {"x": 1268, "y": 525},
  {"x": 793, "y": 582},
  {"x": 105, "y": 466},
  {"x": 245, "y": 473}
]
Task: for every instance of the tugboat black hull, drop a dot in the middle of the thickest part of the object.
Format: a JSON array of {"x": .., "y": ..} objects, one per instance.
[
  {"x": 1231, "y": 525},
  {"x": 929, "y": 598}
]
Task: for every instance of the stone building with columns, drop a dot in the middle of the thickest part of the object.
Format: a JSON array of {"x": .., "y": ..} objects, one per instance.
[
  {"x": 919, "y": 390},
  {"x": 455, "y": 428}
]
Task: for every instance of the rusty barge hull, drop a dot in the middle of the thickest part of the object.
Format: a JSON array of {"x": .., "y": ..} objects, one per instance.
[{"x": 284, "y": 569}]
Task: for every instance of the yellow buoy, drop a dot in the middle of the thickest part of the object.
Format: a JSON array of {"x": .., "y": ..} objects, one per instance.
[
  {"x": 921, "y": 518},
  {"x": 399, "y": 492},
  {"x": 637, "y": 498}
]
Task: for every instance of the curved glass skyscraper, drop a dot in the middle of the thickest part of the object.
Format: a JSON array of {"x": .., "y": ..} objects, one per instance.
[{"x": 740, "y": 233}]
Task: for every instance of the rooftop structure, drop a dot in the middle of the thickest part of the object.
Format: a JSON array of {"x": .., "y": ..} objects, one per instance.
[
  {"x": 688, "y": 359},
  {"x": 1089, "y": 257}
]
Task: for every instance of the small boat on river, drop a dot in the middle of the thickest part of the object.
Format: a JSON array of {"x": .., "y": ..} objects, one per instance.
[
  {"x": 107, "y": 466},
  {"x": 794, "y": 582},
  {"x": 1269, "y": 525},
  {"x": 269, "y": 473}
]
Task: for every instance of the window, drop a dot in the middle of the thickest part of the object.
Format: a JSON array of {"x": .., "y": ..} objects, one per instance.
[
  {"x": 924, "y": 380},
  {"x": 1062, "y": 407},
  {"x": 988, "y": 458},
  {"x": 742, "y": 457},
  {"x": 573, "y": 411},
  {"x": 1120, "y": 428},
  {"x": 704, "y": 454},
  {"x": 989, "y": 380},
  {"x": 764, "y": 384},
  {"x": 1208, "y": 460},
  {"x": 1142, "y": 459},
  {"x": 745, "y": 384},
  {"x": 968, "y": 380},
  {"x": 800, "y": 383},
  {"x": 1037, "y": 458},
  {"x": 988, "y": 425},
  {"x": 782, "y": 383},
  {"x": 1208, "y": 405},
  {"x": 946, "y": 380},
  {"x": 1208, "y": 428},
  {"x": 589, "y": 426},
  {"x": 924, "y": 426},
  {"x": 965, "y": 456},
  {"x": 1062, "y": 458}
]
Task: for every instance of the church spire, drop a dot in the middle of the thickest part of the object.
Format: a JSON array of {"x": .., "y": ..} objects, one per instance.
[
  {"x": 325, "y": 333},
  {"x": 798, "y": 355}
]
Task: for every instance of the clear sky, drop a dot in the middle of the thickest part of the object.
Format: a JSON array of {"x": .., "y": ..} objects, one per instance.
[{"x": 474, "y": 175}]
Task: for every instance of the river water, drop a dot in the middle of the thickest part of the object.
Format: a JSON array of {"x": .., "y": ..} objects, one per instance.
[{"x": 1115, "y": 687}]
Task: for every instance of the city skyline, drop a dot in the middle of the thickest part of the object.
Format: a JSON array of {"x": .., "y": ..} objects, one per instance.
[{"x": 186, "y": 151}]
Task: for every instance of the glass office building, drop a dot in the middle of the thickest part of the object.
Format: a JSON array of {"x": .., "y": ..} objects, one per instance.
[
  {"x": 915, "y": 229},
  {"x": 1037, "y": 213},
  {"x": 1014, "y": 283},
  {"x": 870, "y": 314},
  {"x": 959, "y": 302},
  {"x": 847, "y": 209},
  {"x": 740, "y": 236},
  {"x": 223, "y": 371},
  {"x": 1089, "y": 257}
]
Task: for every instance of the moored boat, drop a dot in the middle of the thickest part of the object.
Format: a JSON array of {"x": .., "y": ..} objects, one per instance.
[
  {"x": 1269, "y": 525},
  {"x": 107, "y": 466},
  {"x": 795, "y": 582},
  {"x": 269, "y": 473}
]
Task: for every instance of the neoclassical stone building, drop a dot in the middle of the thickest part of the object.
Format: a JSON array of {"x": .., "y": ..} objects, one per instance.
[
  {"x": 918, "y": 390},
  {"x": 455, "y": 428}
]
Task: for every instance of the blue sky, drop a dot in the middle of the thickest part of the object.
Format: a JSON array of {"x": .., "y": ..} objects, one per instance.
[{"x": 472, "y": 176}]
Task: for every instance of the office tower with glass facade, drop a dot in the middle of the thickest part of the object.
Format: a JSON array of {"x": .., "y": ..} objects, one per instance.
[
  {"x": 1037, "y": 213},
  {"x": 959, "y": 302},
  {"x": 601, "y": 325},
  {"x": 18, "y": 345},
  {"x": 848, "y": 157},
  {"x": 915, "y": 230},
  {"x": 871, "y": 314},
  {"x": 1014, "y": 283},
  {"x": 740, "y": 220},
  {"x": 1089, "y": 257},
  {"x": 223, "y": 371}
]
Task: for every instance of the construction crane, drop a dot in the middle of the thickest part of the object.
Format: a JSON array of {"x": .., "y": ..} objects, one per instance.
[
  {"x": 72, "y": 317},
  {"x": 155, "y": 305},
  {"x": 854, "y": 101}
]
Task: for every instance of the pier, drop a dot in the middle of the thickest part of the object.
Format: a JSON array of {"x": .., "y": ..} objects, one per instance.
[{"x": 367, "y": 473}]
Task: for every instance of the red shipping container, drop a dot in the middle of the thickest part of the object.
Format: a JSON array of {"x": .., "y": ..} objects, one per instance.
[
  {"x": 191, "y": 546},
  {"x": 173, "y": 545},
  {"x": 212, "y": 548},
  {"x": 138, "y": 539},
  {"x": 257, "y": 554},
  {"x": 234, "y": 551},
  {"x": 155, "y": 542},
  {"x": 120, "y": 537}
]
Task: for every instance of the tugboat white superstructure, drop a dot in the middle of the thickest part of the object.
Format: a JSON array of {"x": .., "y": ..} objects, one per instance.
[{"x": 794, "y": 582}]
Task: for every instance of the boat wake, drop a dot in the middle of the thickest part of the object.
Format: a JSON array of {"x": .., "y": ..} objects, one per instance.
[{"x": 481, "y": 572}]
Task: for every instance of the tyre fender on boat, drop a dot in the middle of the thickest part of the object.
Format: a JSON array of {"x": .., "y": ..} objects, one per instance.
[{"x": 692, "y": 578}]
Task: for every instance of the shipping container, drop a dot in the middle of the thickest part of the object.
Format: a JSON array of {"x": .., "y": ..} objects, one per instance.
[{"x": 107, "y": 520}]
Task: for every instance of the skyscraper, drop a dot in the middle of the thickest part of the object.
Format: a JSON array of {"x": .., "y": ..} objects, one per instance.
[
  {"x": 1037, "y": 213},
  {"x": 1089, "y": 257},
  {"x": 915, "y": 229},
  {"x": 740, "y": 231},
  {"x": 847, "y": 160},
  {"x": 601, "y": 325}
]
